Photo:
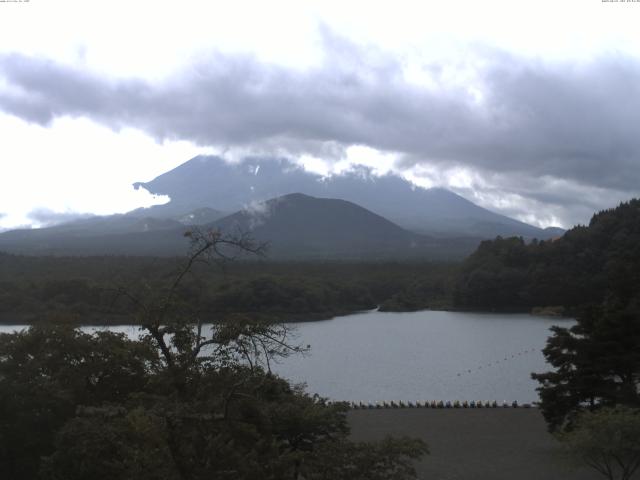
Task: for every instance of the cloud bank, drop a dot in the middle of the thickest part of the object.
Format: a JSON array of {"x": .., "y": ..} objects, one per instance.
[
  {"x": 558, "y": 139},
  {"x": 43, "y": 217}
]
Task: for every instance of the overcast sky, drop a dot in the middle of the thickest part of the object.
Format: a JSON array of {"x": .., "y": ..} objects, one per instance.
[{"x": 531, "y": 109}]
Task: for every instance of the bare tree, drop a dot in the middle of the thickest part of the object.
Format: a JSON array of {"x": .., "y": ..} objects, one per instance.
[{"x": 177, "y": 328}]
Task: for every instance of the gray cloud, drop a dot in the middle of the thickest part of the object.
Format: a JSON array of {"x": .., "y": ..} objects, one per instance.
[
  {"x": 43, "y": 217},
  {"x": 544, "y": 200},
  {"x": 534, "y": 124}
]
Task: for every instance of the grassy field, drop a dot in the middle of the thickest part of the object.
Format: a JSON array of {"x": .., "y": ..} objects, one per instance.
[{"x": 474, "y": 444}]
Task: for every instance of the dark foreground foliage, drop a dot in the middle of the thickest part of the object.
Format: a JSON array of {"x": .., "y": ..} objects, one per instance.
[
  {"x": 607, "y": 440},
  {"x": 182, "y": 402},
  {"x": 101, "y": 406},
  {"x": 597, "y": 363}
]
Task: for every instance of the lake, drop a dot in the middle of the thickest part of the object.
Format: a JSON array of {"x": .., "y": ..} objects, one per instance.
[{"x": 428, "y": 355}]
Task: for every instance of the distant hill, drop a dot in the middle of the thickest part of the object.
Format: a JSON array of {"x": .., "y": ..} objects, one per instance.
[
  {"x": 130, "y": 234},
  {"x": 209, "y": 181},
  {"x": 198, "y": 216},
  {"x": 114, "y": 234},
  {"x": 582, "y": 267},
  {"x": 296, "y": 226},
  {"x": 553, "y": 232}
]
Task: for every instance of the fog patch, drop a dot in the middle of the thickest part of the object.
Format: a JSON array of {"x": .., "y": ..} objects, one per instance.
[{"x": 43, "y": 217}]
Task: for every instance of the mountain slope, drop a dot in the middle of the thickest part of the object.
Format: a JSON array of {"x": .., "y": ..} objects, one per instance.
[
  {"x": 296, "y": 226},
  {"x": 115, "y": 234},
  {"x": 301, "y": 226},
  {"x": 297, "y": 223},
  {"x": 210, "y": 181}
]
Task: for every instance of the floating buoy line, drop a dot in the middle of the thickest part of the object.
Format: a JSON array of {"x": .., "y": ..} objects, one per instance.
[
  {"x": 456, "y": 403},
  {"x": 438, "y": 404},
  {"x": 507, "y": 358}
]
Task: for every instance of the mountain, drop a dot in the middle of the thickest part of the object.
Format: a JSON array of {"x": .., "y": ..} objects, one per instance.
[
  {"x": 554, "y": 232},
  {"x": 114, "y": 234},
  {"x": 210, "y": 181},
  {"x": 296, "y": 226},
  {"x": 198, "y": 216}
]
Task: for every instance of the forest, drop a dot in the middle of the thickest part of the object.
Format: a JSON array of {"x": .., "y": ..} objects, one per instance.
[
  {"x": 87, "y": 288},
  {"x": 579, "y": 269},
  {"x": 559, "y": 276}
]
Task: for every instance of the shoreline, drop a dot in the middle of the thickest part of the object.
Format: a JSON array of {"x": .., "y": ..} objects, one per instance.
[{"x": 119, "y": 320}]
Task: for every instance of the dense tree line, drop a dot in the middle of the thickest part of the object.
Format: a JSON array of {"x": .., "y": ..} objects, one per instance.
[
  {"x": 573, "y": 271},
  {"x": 86, "y": 288}
]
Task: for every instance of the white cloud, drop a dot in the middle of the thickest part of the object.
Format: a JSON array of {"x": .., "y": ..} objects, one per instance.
[{"x": 78, "y": 166}]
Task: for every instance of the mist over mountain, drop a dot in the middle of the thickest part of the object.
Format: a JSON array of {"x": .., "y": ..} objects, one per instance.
[
  {"x": 209, "y": 181},
  {"x": 300, "y": 214}
]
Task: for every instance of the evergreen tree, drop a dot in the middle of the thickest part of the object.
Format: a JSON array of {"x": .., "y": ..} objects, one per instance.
[{"x": 597, "y": 363}]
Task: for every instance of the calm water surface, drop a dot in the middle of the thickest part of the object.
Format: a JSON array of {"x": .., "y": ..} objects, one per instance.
[{"x": 428, "y": 355}]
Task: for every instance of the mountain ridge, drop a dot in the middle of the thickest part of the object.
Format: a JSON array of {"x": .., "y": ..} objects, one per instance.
[
  {"x": 297, "y": 226},
  {"x": 213, "y": 182}
]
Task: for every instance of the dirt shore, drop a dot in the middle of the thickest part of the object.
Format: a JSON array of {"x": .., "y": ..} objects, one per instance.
[{"x": 474, "y": 444}]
